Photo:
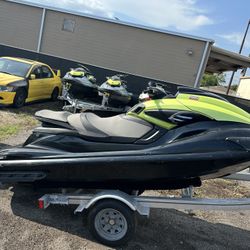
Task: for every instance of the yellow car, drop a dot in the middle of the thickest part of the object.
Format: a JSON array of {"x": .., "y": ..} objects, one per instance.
[{"x": 24, "y": 80}]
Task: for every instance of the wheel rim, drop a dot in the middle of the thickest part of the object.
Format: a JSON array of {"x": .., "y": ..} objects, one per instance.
[{"x": 110, "y": 224}]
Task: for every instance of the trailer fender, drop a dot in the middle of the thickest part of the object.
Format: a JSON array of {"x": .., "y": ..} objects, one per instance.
[{"x": 115, "y": 195}]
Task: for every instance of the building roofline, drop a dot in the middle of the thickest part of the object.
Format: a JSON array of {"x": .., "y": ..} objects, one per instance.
[
  {"x": 77, "y": 13},
  {"x": 230, "y": 54}
]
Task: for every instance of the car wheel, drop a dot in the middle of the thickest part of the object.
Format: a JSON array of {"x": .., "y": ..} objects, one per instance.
[
  {"x": 55, "y": 94},
  {"x": 19, "y": 99}
]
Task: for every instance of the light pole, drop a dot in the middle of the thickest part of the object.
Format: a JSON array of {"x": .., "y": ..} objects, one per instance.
[{"x": 241, "y": 47}]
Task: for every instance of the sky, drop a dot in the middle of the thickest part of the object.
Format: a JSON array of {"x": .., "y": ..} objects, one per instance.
[{"x": 221, "y": 20}]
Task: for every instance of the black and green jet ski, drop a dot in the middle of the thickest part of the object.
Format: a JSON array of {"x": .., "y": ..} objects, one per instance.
[
  {"x": 79, "y": 83},
  {"x": 115, "y": 93},
  {"x": 167, "y": 143}
]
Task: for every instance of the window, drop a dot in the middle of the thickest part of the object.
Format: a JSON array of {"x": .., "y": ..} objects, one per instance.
[
  {"x": 14, "y": 67},
  {"x": 46, "y": 72},
  {"x": 68, "y": 25},
  {"x": 37, "y": 72}
]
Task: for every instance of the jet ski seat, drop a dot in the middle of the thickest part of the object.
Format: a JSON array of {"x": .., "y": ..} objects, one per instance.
[
  {"x": 53, "y": 115},
  {"x": 58, "y": 118},
  {"x": 119, "y": 128}
]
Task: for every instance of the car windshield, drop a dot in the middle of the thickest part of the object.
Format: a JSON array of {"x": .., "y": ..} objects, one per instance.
[{"x": 13, "y": 67}]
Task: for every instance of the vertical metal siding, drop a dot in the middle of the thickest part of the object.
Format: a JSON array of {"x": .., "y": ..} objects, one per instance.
[
  {"x": 113, "y": 46},
  {"x": 19, "y": 25},
  {"x": 118, "y": 47}
]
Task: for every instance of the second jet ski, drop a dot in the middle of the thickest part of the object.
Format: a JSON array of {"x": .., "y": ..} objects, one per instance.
[
  {"x": 114, "y": 92},
  {"x": 79, "y": 83}
]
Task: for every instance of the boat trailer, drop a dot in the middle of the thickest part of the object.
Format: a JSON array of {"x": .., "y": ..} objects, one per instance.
[
  {"x": 111, "y": 214},
  {"x": 75, "y": 105}
]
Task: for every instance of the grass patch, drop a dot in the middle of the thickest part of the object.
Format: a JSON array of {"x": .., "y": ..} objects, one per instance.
[
  {"x": 7, "y": 131},
  {"x": 28, "y": 120},
  {"x": 13, "y": 123}
]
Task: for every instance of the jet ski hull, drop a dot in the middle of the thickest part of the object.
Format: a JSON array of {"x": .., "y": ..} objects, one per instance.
[
  {"x": 81, "y": 88},
  {"x": 131, "y": 172},
  {"x": 167, "y": 162}
]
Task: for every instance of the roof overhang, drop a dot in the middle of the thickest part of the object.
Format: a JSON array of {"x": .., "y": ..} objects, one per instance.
[{"x": 221, "y": 60}]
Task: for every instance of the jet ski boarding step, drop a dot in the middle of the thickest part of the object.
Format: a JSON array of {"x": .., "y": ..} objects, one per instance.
[
  {"x": 240, "y": 176},
  {"x": 20, "y": 176},
  {"x": 4, "y": 146}
]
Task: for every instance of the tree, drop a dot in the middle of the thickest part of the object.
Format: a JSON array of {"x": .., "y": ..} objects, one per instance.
[
  {"x": 212, "y": 79},
  {"x": 234, "y": 87}
]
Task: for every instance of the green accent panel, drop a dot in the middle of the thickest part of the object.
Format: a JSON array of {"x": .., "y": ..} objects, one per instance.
[
  {"x": 214, "y": 108},
  {"x": 77, "y": 73},
  {"x": 163, "y": 124},
  {"x": 162, "y": 104},
  {"x": 208, "y": 106},
  {"x": 114, "y": 82}
]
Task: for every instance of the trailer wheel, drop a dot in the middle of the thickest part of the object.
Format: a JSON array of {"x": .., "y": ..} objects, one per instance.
[{"x": 111, "y": 222}]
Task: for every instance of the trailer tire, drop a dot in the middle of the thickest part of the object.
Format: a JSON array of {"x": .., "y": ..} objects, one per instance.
[{"x": 111, "y": 222}]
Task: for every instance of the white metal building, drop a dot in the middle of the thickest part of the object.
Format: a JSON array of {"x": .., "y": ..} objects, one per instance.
[
  {"x": 243, "y": 90},
  {"x": 112, "y": 44}
]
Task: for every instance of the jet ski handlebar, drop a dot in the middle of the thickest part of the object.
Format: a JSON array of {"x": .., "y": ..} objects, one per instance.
[
  {"x": 156, "y": 90},
  {"x": 85, "y": 69}
]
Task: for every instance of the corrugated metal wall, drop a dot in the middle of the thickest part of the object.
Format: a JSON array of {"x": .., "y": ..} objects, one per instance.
[
  {"x": 120, "y": 47},
  {"x": 109, "y": 45},
  {"x": 19, "y": 25},
  {"x": 134, "y": 83}
]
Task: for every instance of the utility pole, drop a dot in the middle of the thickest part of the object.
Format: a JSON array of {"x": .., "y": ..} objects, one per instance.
[{"x": 241, "y": 47}]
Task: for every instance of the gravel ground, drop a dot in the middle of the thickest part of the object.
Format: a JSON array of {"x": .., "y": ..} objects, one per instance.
[{"x": 24, "y": 227}]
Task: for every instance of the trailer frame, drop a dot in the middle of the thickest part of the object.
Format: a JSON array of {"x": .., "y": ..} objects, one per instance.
[{"x": 111, "y": 213}]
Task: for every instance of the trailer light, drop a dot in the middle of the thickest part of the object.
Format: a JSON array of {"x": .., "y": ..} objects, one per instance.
[{"x": 41, "y": 203}]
